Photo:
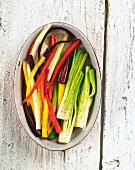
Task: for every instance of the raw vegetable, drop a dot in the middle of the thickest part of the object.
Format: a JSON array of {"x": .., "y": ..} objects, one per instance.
[
  {"x": 36, "y": 102},
  {"x": 50, "y": 92},
  {"x": 62, "y": 78},
  {"x": 55, "y": 97},
  {"x": 45, "y": 66},
  {"x": 56, "y": 56},
  {"x": 61, "y": 89},
  {"x": 52, "y": 40},
  {"x": 53, "y": 135},
  {"x": 51, "y": 111},
  {"x": 48, "y": 120},
  {"x": 40, "y": 102},
  {"x": 30, "y": 50},
  {"x": 30, "y": 61},
  {"x": 29, "y": 114},
  {"x": 43, "y": 49},
  {"x": 65, "y": 135},
  {"x": 37, "y": 65},
  {"x": 45, "y": 120},
  {"x": 54, "y": 105},
  {"x": 53, "y": 116},
  {"x": 45, "y": 83},
  {"x": 38, "y": 40},
  {"x": 42, "y": 89},
  {"x": 30, "y": 101},
  {"x": 86, "y": 98},
  {"x": 92, "y": 76},
  {"x": 66, "y": 104},
  {"x": 69, "y": 50}
]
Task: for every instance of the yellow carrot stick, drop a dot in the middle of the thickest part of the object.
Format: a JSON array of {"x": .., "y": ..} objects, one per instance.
[
  {"x": 61, "y": 89},
  {"x": 26, "y": 81},
  {"x": 40, "y": 102},
  {"x": 37, "y": 65},
  {"x": 35, "y": 102},
  {"x": 45, "y": 120}
]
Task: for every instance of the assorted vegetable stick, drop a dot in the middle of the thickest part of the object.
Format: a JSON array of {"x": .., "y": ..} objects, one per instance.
[
  {"x": 36, "y": 102},
  {"x": 86, "y": 97},
  {"x": 41, "y": 74},
  {"x": 65, "y": 56},
  {"x": 62, "y": 78},
  {"x": 68, "y": 125},
  {"x": 30, "y": 101},
  {"x": 38, "y": 40},
  {"x": 45, "y": 120},
  {"x": 55, "y": 58},
  {"x": 29, "y": 114},
  {"x": 67, "y": 104},
  {"x": 54, "y": 94}
]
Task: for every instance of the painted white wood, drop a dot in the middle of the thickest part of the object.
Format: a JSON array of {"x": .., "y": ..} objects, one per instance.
[
  {"x": 119, "y": 130},
  {"x": 19, "y": 19}
]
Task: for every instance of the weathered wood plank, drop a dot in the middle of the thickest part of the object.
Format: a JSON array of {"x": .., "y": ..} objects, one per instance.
[
  {"x": 19, "y": 20},
  {"x": 119, "y": 129}
]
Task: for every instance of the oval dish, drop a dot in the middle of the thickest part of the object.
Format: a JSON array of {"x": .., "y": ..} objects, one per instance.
[{"x": 78, "y": 134}]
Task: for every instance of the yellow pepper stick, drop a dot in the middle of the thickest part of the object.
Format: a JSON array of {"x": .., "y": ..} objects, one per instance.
[
  {"x": 37, "y": 65},
  {"x": 26, "y": 80},
  {"x": 32, "y": 74},
  {"x": 45, "y": 120}
]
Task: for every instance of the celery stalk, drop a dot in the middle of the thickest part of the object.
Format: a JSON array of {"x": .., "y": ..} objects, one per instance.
[
  {"x": 86, "y": 98},
  {"x": 73, "y": 70},
  {"x": 92, "y": 76},
  {"x": 68, "y": 125},
  {"x": 67, "y": 101}
]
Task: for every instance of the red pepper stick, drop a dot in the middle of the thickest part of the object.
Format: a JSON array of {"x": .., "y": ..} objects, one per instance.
[
  {"x": 51, "y": 111},
  {"x": 46, "y": 93},
  {"x": 53, "y": 116},
  {"x": 52, "y": 40},
  {"x": 63, "y": 59},
  {"x": 48, "y": 60}
]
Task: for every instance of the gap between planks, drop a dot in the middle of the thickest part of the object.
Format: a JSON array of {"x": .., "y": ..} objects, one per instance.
[{"x": 103, "y": 92}]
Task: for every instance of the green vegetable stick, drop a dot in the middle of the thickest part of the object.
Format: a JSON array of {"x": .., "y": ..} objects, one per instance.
[
  {"x": 68, "y": 125},
  {"x": 67, "y": 104},
  {"x": 86, "y": 98}
]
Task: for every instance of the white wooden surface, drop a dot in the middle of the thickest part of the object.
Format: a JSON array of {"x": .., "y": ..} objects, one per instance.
[
  {"x": 19, "y": 19},
  {"x": 119, "y": 129}
]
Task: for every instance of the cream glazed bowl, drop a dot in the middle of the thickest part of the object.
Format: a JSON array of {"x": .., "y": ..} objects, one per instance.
[{"x": 78, "y": 134}]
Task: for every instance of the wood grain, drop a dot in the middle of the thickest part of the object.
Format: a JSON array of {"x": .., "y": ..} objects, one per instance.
[
  {"x": 119, "y": 129},
  {"x": 19, "y": 19}
]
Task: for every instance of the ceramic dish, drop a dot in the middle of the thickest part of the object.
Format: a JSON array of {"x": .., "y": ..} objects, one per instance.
[{"x": 78, "y": 134}]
